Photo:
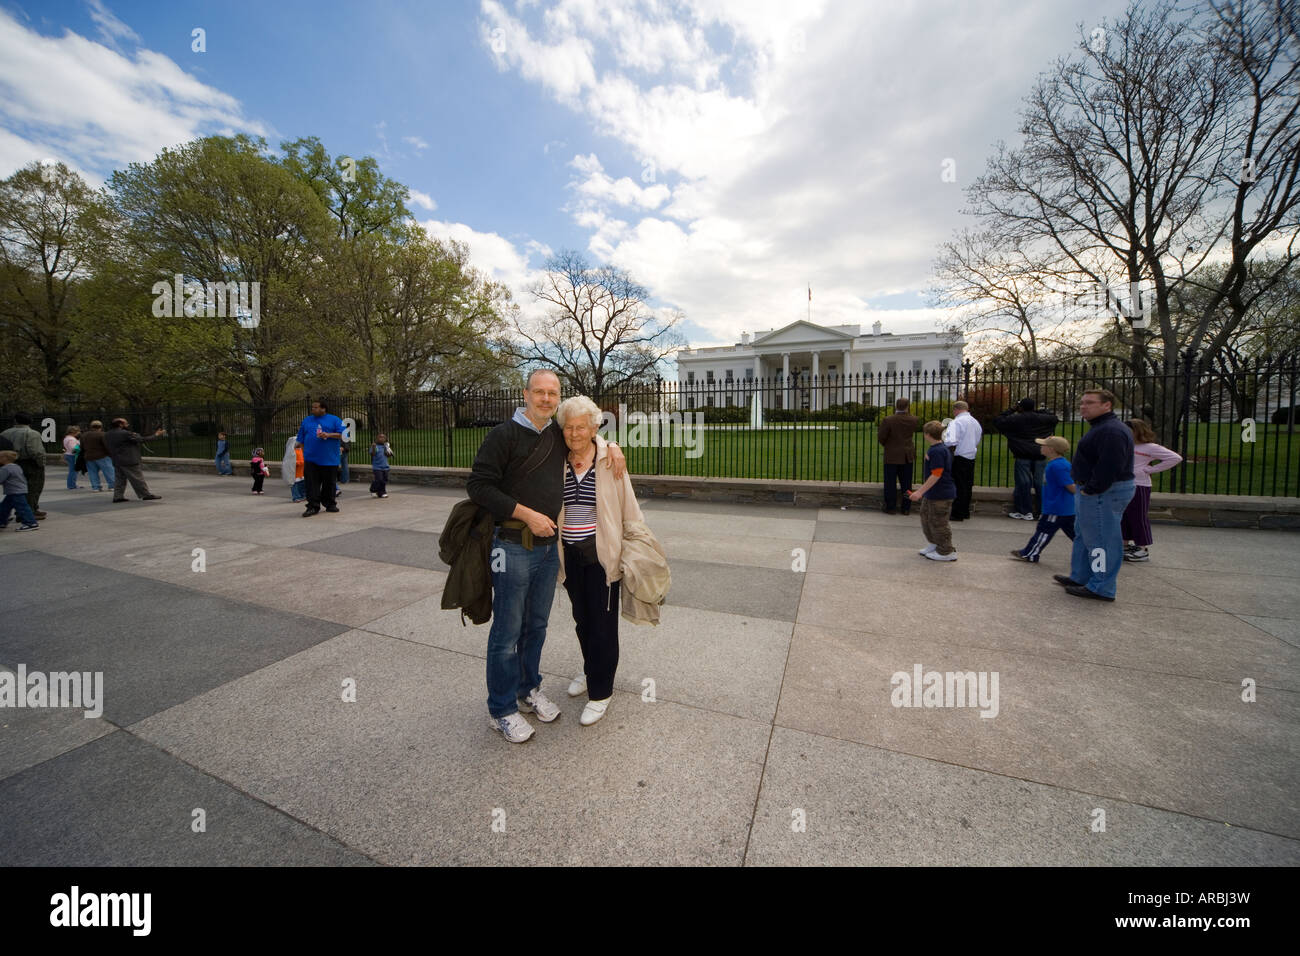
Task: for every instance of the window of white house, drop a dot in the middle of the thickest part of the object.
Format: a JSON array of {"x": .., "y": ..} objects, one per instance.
[
  {"x": 749, "y": 374},
  {"x": 916, "y": 365},
  {"x": 891, "y": 368},
  {"x": 943, "y": 365},
  {"x": 708, "y": 375},
  {"x": 690, "y": 377},
  {"x": 710, "y": 401},
  {"x": 730, "y": 376},
  {"x": 866, "y": 368}
]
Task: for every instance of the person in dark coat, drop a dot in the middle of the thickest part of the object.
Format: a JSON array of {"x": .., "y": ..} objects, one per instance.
[
  {"x": 895, "y": 434},
  {"x": 124, "y": 446},
  {"x": 1022, "y": 425}
]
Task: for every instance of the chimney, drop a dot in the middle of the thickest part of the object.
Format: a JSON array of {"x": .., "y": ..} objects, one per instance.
[
  {"x": 875, "y": 327},
  {"x": 744, "y": 338}
]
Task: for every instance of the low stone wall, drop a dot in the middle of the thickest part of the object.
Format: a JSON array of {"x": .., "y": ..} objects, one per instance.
[{"x": 1217, "y": 511}]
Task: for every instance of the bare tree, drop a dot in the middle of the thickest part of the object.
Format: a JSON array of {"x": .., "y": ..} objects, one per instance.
[
  {"x": 1167, "y": 143},
  {"x": 598, "y": 334}
]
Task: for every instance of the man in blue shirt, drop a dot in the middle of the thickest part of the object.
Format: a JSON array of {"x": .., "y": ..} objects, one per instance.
[{"x": 319, "y": 437}]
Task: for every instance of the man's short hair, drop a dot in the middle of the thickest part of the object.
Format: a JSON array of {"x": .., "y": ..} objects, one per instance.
[
  {"x": 119, "y": 422},
  {"x": 1103, "y": 395},
  {"x": 902, "y": 404},
  {"x": 961, "y": 406},
  {"x": 322, "y": 403},
  {"x": 528, "y": 383},
  {"x": 934, "y": 430},
  {"x": 97, "y": 424},
  {"x": 22, "y": 418},
  {"x": 1026, "y": 405}
]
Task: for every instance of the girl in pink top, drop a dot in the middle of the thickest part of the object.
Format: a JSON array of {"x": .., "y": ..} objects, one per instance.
[
  {"x": 1149, "y": 458},
  {"x": 70, "y": 445}
]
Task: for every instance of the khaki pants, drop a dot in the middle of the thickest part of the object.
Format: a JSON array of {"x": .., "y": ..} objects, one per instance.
[{"x": 934, "y": 523}]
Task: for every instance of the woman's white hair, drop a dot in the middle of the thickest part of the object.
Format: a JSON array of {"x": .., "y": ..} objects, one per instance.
[{"x": 579, "y": 405}]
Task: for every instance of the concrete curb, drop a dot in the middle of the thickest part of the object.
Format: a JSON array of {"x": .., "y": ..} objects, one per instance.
[{"x": 1209, "y": 511}]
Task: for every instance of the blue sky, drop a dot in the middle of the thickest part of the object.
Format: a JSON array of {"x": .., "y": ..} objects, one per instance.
[{"x": 726, "y": 153}]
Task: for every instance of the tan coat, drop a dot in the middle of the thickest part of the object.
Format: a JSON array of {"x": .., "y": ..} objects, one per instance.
[{"x": 619, "y": 521}]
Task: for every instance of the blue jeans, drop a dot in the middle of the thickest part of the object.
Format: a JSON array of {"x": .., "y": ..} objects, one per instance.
[
  {"x": 98, "y": 467},
  {"x": 523, "y": 589},
  {"x": 19, "y": 506},
  {"x": 1098, "y": 543},
  {"x": 298, "y": 490},
  {"x": 344, "y": 475},
  {"x": 1028, "y": 496},
  {"x": 72, "y": 471},
  {"x": 223, "y": 464}
]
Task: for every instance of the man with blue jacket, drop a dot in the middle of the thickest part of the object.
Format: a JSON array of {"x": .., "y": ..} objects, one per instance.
[
  {"x": 1103, "y": 473},
  {"x": 319, "y": 437}
]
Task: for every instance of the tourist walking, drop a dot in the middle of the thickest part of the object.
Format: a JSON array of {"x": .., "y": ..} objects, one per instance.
[
  {"x": 962, "y": 437},
  {"x": 1023, "y": 427},
  {"x": 1149, "y": 458},
  {"x": 99, "y": 464},
  {"x": 124, "y": 446}
]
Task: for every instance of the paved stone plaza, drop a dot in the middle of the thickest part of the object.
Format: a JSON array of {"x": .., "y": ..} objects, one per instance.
[{"x": 224, "y": 691}]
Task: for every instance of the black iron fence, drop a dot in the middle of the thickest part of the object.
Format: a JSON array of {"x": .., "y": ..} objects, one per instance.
[{"x": 1234, "y": 426}]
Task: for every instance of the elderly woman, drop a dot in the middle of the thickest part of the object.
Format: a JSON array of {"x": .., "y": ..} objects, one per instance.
[{"x": 596, "y": 505}]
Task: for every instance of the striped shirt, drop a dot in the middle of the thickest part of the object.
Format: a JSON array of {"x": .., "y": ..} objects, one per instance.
[{"x": 579, "y": 505}]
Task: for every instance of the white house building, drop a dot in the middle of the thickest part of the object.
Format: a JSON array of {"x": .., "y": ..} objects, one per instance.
[{"x": 815, "y": 366}]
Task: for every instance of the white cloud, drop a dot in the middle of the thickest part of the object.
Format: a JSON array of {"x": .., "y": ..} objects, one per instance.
[
  {"x": 494, "y": 255},
  {"x": 423, "y": 200},
  {"x": 102, "y": 108},
  {"x": 415, "y": 142},
  {"x": 111, "y": 29},
  {"x": 775, "y": 144}
]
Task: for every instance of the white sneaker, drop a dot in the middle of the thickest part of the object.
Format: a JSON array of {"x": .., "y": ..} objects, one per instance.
[
  {"x": 578, "y": 685},
  {"x": 925, "y": 552},
  {"x": 539, "y": 704},
  {"x": 513, "y": 727},
  {"x": 594, "y": 710},
  {"x": 936, "y": 556},
  {"x": 1029, "y": 517},
  {"x": 1015, "y": 514}
]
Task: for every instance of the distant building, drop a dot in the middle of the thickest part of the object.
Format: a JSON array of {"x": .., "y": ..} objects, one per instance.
[{"x": 839, "y": 359}]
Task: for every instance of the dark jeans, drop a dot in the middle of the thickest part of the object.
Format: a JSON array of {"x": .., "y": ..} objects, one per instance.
[
  {"x": 1135, "y": 525},
  {"x": 321, "y": 481},
  {"x": 595, "y": 617},
  {"x": 963, "y": 475},
  {"x": 35, "y": 475},
  {"x": 1028, "y": 496},
  {"x": 18, "y": 505},
  {"x": 1048, "y": 525},
  {"x": 257, "y": 481},
  {"x": 902, "y": 474},
  {"x": 125, "y": 473},
  {"x": 379, "y": 481}
]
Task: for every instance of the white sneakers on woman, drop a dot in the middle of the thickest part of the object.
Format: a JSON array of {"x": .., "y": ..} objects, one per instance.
[
  {"x": 594, "y": 710},
  {"x": 578, "y": 685}
]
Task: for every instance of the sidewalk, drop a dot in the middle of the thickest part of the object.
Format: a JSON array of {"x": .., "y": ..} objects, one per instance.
[{"x": 772, "y": 696}]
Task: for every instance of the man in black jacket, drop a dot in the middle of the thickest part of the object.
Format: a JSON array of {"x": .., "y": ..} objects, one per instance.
[
  {"x": 524, "y": 492},
  {"x": 124, "y": 448},
  {"x": 1102, "y": 469},
  {"x": 1021, "y": 426}
]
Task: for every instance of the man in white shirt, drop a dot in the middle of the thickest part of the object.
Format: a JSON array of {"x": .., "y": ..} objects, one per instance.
[{"x": 963, "y": 439}]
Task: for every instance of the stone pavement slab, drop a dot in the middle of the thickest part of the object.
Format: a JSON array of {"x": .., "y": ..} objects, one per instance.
[
  {"x": 771, "y": 683},
  {"x": 119, "y": 801}
]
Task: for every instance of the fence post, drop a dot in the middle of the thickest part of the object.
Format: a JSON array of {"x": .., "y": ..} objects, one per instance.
[{"x": 1184, "y": 418}]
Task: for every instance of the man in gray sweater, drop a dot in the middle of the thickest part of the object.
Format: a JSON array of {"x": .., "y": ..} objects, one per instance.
[{"x": 26, "y": 441}]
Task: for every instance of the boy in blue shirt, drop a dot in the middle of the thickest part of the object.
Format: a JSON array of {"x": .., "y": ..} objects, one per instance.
[
  {"x": 15, "y": 494},
  {"x": 1058, "y": 499},
  {"x": 319, "y": 437},
  {"x": 223, "y": 456},
  {"x": 936, "y": 496},
  {"x": 380, "y": 453}
]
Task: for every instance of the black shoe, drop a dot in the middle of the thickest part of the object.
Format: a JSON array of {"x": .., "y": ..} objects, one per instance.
[
  {"x": 118, "y": 501},
  {"x": 311, "y": 511},
  {"x": 1065, "y": 581},
  {"x": 890, "y": 511},
  {"x": 1079, "y": 590},
  {"x": 39, "y": 514},
  {"x": 151, "y": 498},
  {"x": 333, "y": 511}
]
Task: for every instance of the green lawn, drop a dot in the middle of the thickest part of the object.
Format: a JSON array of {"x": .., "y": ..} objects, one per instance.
[{"x": 1221, "y": 463}]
